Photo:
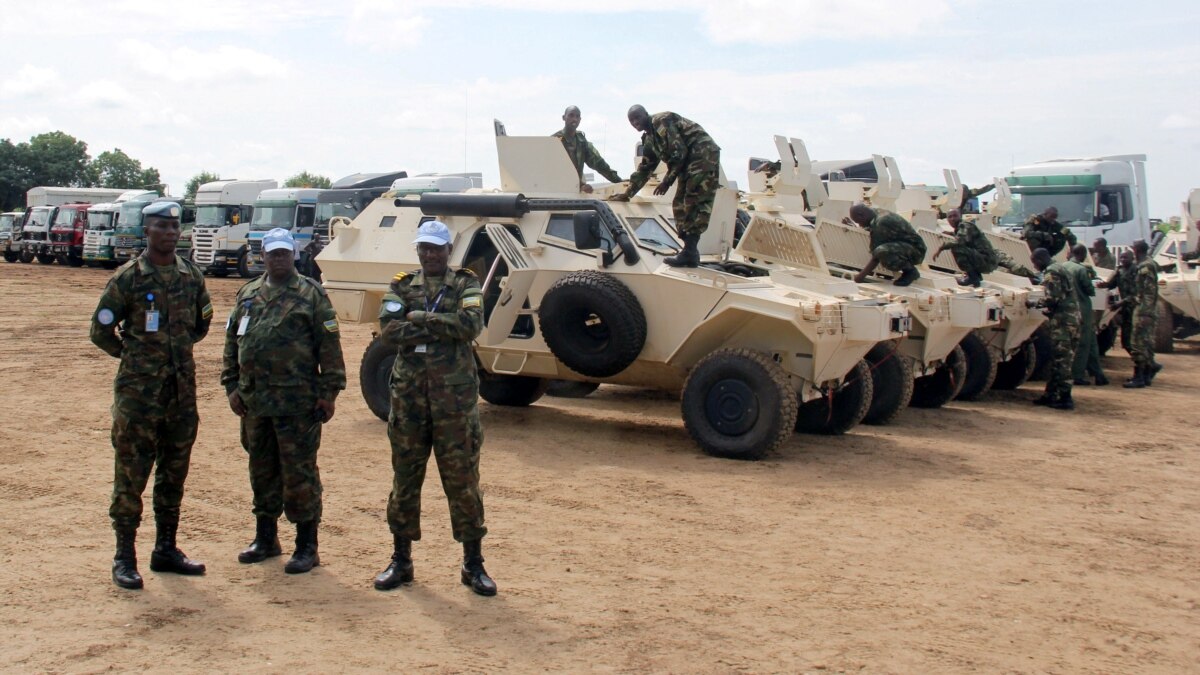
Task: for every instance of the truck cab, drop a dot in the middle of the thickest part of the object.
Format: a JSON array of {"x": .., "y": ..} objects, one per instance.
[
  {"x": 35, "y": 234},
  {"x": 224, "y": 210},
  {"x": 10, "y": 244},
  {"x": 292, "y": 209},
  {"x": 66, "y": 233},
  {"x": 98, "y": 235},
  {"x": 130, "y": 237}
]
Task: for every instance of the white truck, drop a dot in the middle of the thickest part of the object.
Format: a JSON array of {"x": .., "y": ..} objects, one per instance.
[
  {"x": 292, "y": 209},
  {"x": 42, "y": 206},
  {"x": 10, "y": 225},
  {"x": 224, "y": 210},
  {"x": 99, "y": 239},
  {"x": 1096, "y": 197}
]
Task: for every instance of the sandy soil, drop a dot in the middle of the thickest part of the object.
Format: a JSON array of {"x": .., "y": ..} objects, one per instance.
[{"x": 989, "y": 536}]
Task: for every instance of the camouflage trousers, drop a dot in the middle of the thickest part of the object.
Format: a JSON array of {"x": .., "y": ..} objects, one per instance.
[
  {"x": 1005, "y": 261},
  {"x": 1141, "y": 343},
  {"x": 898, "y": 256},
  {"x": 696, "y": 192},
  {"x": 149, "y": 437},
  {"x": 444, "y": 419},
  {"x": 971, "y": 261},
  {"x": 283, "y": 466},
  {"x": 1064, "y": 337},
  {"x": 1087, "y": 355},
  {"x": 1127, "y": 331}
]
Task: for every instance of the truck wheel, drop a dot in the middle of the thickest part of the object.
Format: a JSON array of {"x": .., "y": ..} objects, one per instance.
[
  {"x": 940, "y": 386},
  {"x": 981, "y": 368},
  {"x": 739, "y": 404},
  {"x": 12, "y": 257},
  {"x": 1016, "y": 371},
  {"x": 375, "y": 376},
  {"x": 593, "y": 323},
  {"x": 571, "y": 389},
  {"x": 511, "y": 390},
  {"x": 850, "y": 403},
  {"x": 111, "y": 264},
  {"x": 45, "y": 258},
  {"x": 74, "y": 261},
  {"x": 1041, "y": 344},
  {"x": 1164, "y": 329},
  {"x": 219, "y": 273},
  {"x": 243, "y": 264},
  {"x": 892, "y": 381},
  {"x": 26, "y": 256},
  {"x": 1107, "y": 337}
]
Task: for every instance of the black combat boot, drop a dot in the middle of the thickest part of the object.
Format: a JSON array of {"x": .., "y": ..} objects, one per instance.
[
  {"x": 305, "y": 558},
  {"x": 265, "y": 544},
  {"x": 400, "y": 570},
  {"x": 167, "y": 557},
  {"x": 1137, "y": 381},
  {"x": 1045, "y": 399},
  {"x": 1150, "y": 371},
  {"x": 689, "y": 256},
  {"x": 907, "y": 277},
  {"x": 125, "y": 571},
  {"x": 1082, "y": 382},
  {"x": 473, "y": 574},
  {"x": 1064, "y": 403},
  {"x": 1101, "y": 380}
]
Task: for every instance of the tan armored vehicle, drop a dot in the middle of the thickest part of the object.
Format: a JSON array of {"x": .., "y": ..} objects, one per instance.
[
  {"x": 1179, "y": 280},
  {"x": 575, "y": 289}
]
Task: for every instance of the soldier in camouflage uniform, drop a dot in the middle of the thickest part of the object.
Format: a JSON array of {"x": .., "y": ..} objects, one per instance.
[
  {"x": 693, "y": 158},
  {"x": 1062, "y": 308},
  {"x": 1102, "y": 257},
  {"x": 1145, "y": 318},
  {"x": 151, "y": 313},
  {"x": 283, "y": 371},
  {"x": 894, "y": 243},
  {"x": 432, "y": 317},
  {"x": 581, "y": 151},
  {"x": 1087, "y": 355},
  {"x": 972, "y": 251},
  {"x": 1044, "y": 231}
]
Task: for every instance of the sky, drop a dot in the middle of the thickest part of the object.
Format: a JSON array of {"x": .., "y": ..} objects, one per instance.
[{"x": 267, "y": 89}]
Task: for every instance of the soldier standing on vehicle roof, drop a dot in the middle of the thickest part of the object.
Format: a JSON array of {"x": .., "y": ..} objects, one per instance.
[
  {"x": 1145, "y": 318},
  {"x": 1044, "y": 231},
  {"x": 1062, "y": 308},
  {"x": 1087, "y": 354},
  {"x": 581, "y": 151},
  {"x": 432, "y": 317},
  {"x": 283, "y": 371},
  {"x": 693, "y": 158},
  {"x": 1102, "y": 256},
  {"x": 972, "y": 251},
  {"x": 153, "y": 310},
  {"x": 894, "y": 243}
]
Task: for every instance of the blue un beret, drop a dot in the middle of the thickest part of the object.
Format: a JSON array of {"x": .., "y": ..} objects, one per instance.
[{"x": 163, "y": 210}]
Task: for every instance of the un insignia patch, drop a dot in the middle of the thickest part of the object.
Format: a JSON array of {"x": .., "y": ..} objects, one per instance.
[{"x": 105, "y": 317}]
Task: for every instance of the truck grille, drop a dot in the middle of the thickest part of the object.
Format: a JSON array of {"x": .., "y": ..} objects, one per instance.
[
  {"x": 35, "y": 236},
  {"x": 255, "y": 246},
  {"x": 125, "y": 241},
  {"x": 61, "y": 237}
]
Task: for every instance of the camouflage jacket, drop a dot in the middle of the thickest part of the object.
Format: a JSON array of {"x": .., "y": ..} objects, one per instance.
[
  {"x": 1127, "y": 286},
  {"x": 290, "y": 352},
  {"x": 969, "y": 237},
  {"x": 436, "y": 343},
  {"x": 150, "y": 358},
  {"x": 1105, "y": 261},
  {"x": 887, "y": 228},
  {"x": 1145, "y": 283},
  {"x": 1049, "y": 234},
  {"x": 1062, "y": 299},
  {"x": 583, "y": 153},
  {"x": 675, "y": 140}
]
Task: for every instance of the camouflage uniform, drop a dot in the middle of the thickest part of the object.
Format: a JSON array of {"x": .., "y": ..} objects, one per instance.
[
  {"x": 583, "y": 153},
  {"x": 692, "y": 157},
  {"x": 1087, "y": 354},
  {"x": 289, "y": 357},
  {"x": 154, "y": 406},
  {"x": 1005, "y": 262},
  {"x": 1127, "y": 287},
  {"x": 1062, "y": 305},
  {"x": 1048, "y": 234},
  {"x": 972, "y": 250},
  {"x": 894, "y": 242},
  {"x": 434, "y": 391},
  {"x": 1145, "y": 313},
  {"x": 1105, "y": 261}
]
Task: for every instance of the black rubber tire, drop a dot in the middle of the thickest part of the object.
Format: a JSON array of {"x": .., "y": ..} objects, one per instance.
[
  {"x": 511, "y": 390},
  {"x": 1041, "y": 344},
  {"x": 243, "y": 264},
  {"x": 851, "y": 401},
  {"x": 45, "y": 258},
  {"x": 981, "y": 368},
  {"x": 892, "y": 383},
  {"x": 1164, "y": 330},
  {"x": 1107, "y": 337},
  {"x": 571, "y": 389},
  {"x": 1015, "y": 372},
  {"x": 11, "y": 256},
  {"x": 942, "y": 385},
  {"x": 75, "y": 261},
  {"x": 111, "y": 264},
  {"x": 593, "y": 323},
  {"x": 219, "y": 273},
  {"x": 739, "y": 404},
  {"x": 25, "y": 257},
  {"x": 375, "y": 376}
]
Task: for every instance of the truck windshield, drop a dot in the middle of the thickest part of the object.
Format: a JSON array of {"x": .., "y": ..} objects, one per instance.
[
  {"x": 64, "y": 217},
  {"x": 6, "y": 223},
  {"x": 326, "y": 212},
  {"x": 39, "y": 218},
  {"x": 131, "y": 213},
  {"x": 270, "y": 217},
  {"x": 1074, "y": 208},
  {"x": 100, "y": 220},
  {"x": 210, "y": 216}
]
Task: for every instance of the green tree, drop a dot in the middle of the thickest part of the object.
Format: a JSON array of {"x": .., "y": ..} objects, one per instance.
[
  {"x": 14, "y": 175},
  {"x": 305, "y": 179},
  {"x": 115, "y": 169},
  {"x": 57, "y": 159},
  {"x": 189, "y": 192}
]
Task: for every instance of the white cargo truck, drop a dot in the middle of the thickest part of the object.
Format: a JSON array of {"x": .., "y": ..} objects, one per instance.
[{"x": 224, "y": 210}]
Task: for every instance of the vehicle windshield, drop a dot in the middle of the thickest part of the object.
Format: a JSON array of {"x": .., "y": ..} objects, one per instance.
[
  {"x": 1074, "y": 209},
  {"x": 270, "y": 217},
  {"x": 64, "y": 217},
  {"x": 326, "y": 212},
  {"x": 39, "y": 218},
  {"x": 100, "y": 220},
  {"x": 6, "y": 223},
  {"x": 649, "y": 231},
  {"x": 210, "y": 216},
  {"x": 131, "y": 213}
]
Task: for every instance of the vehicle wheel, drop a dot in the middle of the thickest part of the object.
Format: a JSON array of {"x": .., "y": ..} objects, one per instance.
[
  {"x": 26, "y": 257},
  {"x": 244, "y": 264},
  {"x": 1041, "y": 344},
  {"x": 92, "y": 264},
  {"x": 511, "y": 390},
  {"x": 940, "y": 386},
  {"x": 1016, "y": 371},
  {"x": 593, "y": 323},
  {"x": 111, "y": 264},
  {"x": 1107, "y": 337},
  {"x": 74, "y": 261},
  {"x": 220, "y": 273},
  {"x": 1164, "y": 329},
  {"x": 850, "y": 403},
  {"x": 375, "y": 376},
  {"x": 892, "y": 381},
  {"x": 571, "y": 389},
  {"x": 738, "y": 403},
  {"x": 981, "y": 368},
  {"x": 45, "y": 258},
  {"x": 12, "y": 257}
]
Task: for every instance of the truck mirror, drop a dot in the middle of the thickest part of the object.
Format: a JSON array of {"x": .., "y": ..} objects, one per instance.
[{"x": 587, "y": 230}]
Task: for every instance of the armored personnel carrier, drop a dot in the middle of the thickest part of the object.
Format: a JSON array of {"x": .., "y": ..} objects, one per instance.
[
  {"x": 575, "y": 289},
  {"x": 1178, "y": 279}
]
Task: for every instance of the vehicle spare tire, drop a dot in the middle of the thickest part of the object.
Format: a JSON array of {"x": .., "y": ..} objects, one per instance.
[
  {"x": 892, "y": 379},
  {"x": 836, "y": 413},
  {"x": 981, "y": 368},
  {"x": 593, "y": 323},
  {"x": 375, "y": 376},
  {"x": 1016, "y": 371}
]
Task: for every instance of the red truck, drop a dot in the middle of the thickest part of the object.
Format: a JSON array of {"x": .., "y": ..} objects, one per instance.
[{"x": 66, "y": 233}]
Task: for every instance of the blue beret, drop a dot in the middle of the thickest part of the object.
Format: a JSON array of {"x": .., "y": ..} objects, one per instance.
[
  {"x": 278, "y": 238},
  {"x": 163, "y": 210}
]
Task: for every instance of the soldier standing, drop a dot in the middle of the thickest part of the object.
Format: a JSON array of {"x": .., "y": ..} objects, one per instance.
[
  {"x": 283, "y": 371},
  {"x": 432, "y": 317},
  {"x": 1145, "y": 318},
  {"x": 894, "y": 243},
  {"x": 1102, "y": 257},
  {"x": 972, "y": 251},
  {"x": 1087, "y": 355},
  {"x": 1044, "y": 231},
  {"x": 151, "y": 313},
  {"x": 1062, "y": 308},
  {"x": 581, "y": 151},
  {"x": 693, "y": 158},
  {"x": 1123, "y": 279}
]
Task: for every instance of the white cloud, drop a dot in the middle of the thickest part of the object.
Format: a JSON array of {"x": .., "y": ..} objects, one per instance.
[
  {"x": 30, "y": 80},
  {"x": 1178, "y": 121},
  {"x": 772, "y": 21},
  {"x": 384, "y": 25},
  {"x": 17, "y": 128},
  {"x": 105, "y": 94},
  {"x": 184, "y": 64}
]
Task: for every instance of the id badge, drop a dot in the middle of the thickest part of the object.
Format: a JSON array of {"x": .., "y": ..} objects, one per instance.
[
  {"x": 421, "y": 349},
  {"x": 243, "y": 325},
  {"x": 152, "y": 321}
]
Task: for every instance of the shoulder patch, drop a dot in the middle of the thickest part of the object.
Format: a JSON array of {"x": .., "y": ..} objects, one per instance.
[
  {"x": 331, "y": 326},
  {"x": 105, "y": 317},
  {"x": 400, "y": 276},
  {"x": 207, "y": 312},
  {"x": 474, "y": 300},
  {"x": 315, "y": 284}
]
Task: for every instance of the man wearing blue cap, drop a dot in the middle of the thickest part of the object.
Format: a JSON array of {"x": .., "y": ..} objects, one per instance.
[
  {"x": 432, "y": 317},
  {"x": 153, "y": 310},
  {"x": 283, "y": 368}
]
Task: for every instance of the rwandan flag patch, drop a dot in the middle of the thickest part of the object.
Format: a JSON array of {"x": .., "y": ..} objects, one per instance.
[
  {"x": 331, "y": 326},
  {"x": 207, "y": 312},
  {"x": 472, "y": 301}
]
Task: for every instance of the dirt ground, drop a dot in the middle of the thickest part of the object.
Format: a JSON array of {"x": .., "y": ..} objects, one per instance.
[{"x": 991, "y": 536}]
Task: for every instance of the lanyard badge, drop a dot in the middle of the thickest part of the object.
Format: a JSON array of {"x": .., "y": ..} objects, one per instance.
[
  {"x": 244, "y": 324},
  {"x": 151, "y": 315}
]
